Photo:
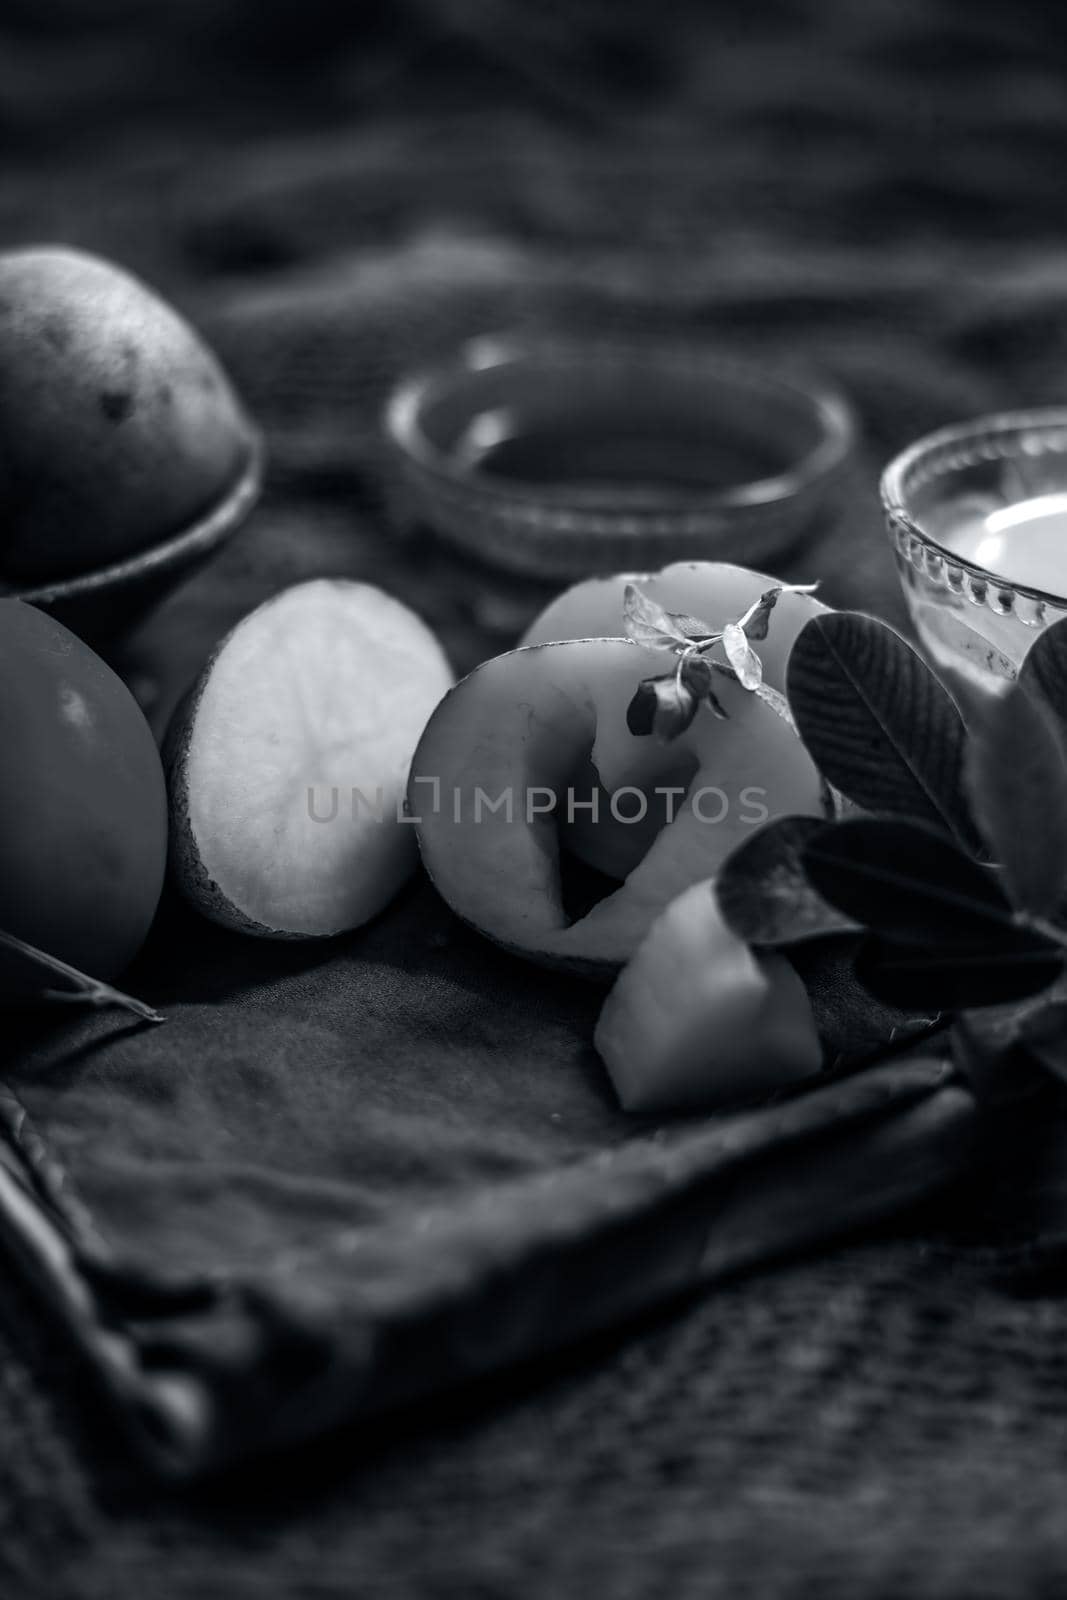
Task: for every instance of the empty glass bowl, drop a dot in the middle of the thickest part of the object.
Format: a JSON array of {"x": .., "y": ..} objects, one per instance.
[
  {"x": 977, "y": 514},
  {"x": 560, "y": 458}
]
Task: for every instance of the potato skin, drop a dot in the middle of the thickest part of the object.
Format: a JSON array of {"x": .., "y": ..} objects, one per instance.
[
  {"x": 186, "y": 867},
  {"x": 83, "y": 818},
  {"x": 119, "y": 426}
]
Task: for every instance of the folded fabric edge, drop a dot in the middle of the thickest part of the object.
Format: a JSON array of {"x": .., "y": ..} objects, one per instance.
[
  {"x": 163, "y": 1415},
  {"x": 591, "y": 1246}
]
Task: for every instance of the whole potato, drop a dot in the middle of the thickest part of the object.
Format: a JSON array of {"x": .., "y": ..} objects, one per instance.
[
  {"x": 118, "y": 428},
  {"x": 83, "y": 806}
]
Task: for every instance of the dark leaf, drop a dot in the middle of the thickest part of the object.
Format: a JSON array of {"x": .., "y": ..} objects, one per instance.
[
  {"x": 641, "y": 712},
  {"x": 837, "y": 806},
  {"x": 757, "y": 623},
  {"x": 1044, "y": 1035},
  {"x": 1045, "y": 669},
  {"x": 926, "y": 979},
  {"x": 764, "y": 892},
  {"x": 853, "y": 1025},
  {"x": 661, "y": 706},
  {"x": 991, "y": 1047},
  {"x": 1016, "y": 774},
  {"x": 910, "y": 883},
  {"x": 756, "y": 620},
  {"x": 878, "y": 723}
]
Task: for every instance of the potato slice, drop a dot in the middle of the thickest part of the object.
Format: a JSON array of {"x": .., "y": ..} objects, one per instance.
[
  {"x": 502, "y": 748},
  {"x": 288, "y": 761}
]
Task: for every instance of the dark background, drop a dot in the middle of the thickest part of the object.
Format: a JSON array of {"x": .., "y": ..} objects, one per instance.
[{"x": 332, "y": 193}]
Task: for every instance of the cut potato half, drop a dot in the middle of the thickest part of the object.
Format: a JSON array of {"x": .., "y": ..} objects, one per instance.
[
  {"x": 493, "y": 776},
  {"x": 288, "y": 761}
]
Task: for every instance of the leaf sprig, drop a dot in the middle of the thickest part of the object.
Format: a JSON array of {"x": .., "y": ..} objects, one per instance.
[
  {"x": 29, "y": 976},
  {"x": 951, "y": 877},
  {"x": 665, "y": 704}
]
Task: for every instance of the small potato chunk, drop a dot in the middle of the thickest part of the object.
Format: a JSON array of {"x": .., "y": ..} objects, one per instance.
[{"x": 696, "y": 1021}]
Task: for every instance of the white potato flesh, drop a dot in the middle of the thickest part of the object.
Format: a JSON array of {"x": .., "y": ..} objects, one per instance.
[
  {"x": 715, "y": 592},
  {"x": 696, "y": 1021},
  {"x": 521, "y": 724},
  {"x": 298, "y": 756}
]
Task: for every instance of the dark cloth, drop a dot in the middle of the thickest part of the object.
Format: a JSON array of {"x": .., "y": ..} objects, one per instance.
[{"x": 877, "y": 196}]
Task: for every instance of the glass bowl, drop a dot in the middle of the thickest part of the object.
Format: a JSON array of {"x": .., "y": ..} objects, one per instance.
[
  {"x": 977, "y": 516},
  {"x": 560, "y": 458}
]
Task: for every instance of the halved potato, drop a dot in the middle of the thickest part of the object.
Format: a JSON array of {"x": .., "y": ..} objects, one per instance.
[
  {"x": 288, "y": 762},
  {"x": 496, "y": 765}
]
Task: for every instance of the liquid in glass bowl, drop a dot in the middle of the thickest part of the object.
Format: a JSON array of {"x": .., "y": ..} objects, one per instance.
[
  {"x": 977, "y": 515},
  {"x": 559, "y": 458}
]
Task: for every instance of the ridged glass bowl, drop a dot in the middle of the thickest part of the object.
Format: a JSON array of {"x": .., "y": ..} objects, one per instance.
[
  {"x": 560, "y": 458},
  {"x": 941, "y": 495}
]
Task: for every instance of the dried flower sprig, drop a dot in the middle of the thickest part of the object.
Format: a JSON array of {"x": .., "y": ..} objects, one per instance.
[{"x": 666, "y": 703}]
